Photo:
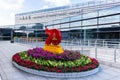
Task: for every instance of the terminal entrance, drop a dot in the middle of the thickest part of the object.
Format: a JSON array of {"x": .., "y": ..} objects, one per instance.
[{"x": 102, "y": 33}]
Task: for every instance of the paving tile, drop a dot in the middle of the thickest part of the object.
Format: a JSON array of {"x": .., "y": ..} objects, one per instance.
[
  {"x": 19, "y": 79},
  {"x": 115, "y": 78},
  {"x": 12, "y": 73},
  {"x": 14, "y": 76},
  {"x": 111, "y": 72},
  {"x": 76, "y": 79},
  {"x": 37, "y": 78},
  {"x": 55, "y": 79},
  {"x": 104, "y": 67},
  {"x": 98, "y": 76}
]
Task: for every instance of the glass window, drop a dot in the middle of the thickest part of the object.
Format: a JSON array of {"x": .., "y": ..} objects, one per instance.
[
  {"x": 57, "y": 26},
  {"x": 64, "y": 29},
  {"x": 11, "y": 26},
  {"x": 65, "y": 25},
  {"x": 50, "y": 27},
  {"x": 64, "y": 20},
  {"x": 49, "y": 23},
  {"x": 90, "y": 15},
  {"x": 90, "y": 22},
  {"x": 77, "y": 27},
  {"x": 110, "y": 25},
  {"x": 89, "y": 27},
  {"x": 91, "y": 3},
  {"x": 73, "y": 24},
  {"x": 23, "y": 27},
  {"x": 17, "y": 26},
  {"x": 56, "y": 21},
  {"x": 109, "y": 19},
  {"x": 109, "y": 11},
  {"x": 31, "y": 26},
  {"x": 110, "y": 31},
  {"x": 36, "y": 26},
  {"x": 75, "y": 18},
  {"x": 84, "y": 4}
]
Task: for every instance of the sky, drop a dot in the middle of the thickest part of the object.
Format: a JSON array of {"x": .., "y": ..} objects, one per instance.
[{"x": 8, "y": 8}]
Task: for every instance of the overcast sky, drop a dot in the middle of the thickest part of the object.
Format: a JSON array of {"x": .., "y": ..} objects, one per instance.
[{"x": 8, "y": 8}]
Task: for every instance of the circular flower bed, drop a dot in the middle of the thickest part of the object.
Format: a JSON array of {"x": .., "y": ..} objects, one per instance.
[{"x": 67, "y": 62}]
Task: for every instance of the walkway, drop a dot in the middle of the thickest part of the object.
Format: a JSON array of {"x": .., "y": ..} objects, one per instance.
[{"x": 9, "y": 72}]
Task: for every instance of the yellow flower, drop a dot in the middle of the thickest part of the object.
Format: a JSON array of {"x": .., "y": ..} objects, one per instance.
[{"x": 57, "y": 49}]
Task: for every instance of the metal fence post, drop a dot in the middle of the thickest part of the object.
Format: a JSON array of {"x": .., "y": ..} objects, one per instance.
[
  {"x": 95, "y": 49},
  {"x": 115, "y": 55},
  {"x": 66, "y": 44},
  {"x": 72, "y": 45},
  {"x": 119, "y": 45},
  {"x": 82, "y": 49},
  {"x": 103, "y": 43},
  {"x": 88, "y": 43}
]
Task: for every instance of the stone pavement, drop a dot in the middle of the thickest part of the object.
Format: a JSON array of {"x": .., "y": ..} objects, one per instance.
[{"x": 9, "y": 72}]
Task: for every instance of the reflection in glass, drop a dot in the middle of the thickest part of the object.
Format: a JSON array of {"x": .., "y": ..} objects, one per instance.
[
  {"x": 65, "y": 25},
  {"x": 56, "y": 26},
  {"x": 75, "y": 18},
  {"x": 90, "y": 22},
  {"x": 109, "y": 19},
  {"x": 74, "y": 24},
  {"x": 65, "y": 20},
  {"x": 107, "y": 26},
  {"x": 90, "y": 15},
  {"x": 50, "y": 27},
  {"x": 56, "y": 21},
  {"x": 109, "y": 11},
  {"x": 49, "y": 23},
  {"x": 89, "y": 27}
]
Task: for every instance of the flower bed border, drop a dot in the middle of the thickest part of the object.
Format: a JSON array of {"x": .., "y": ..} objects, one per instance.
[{"x": 55, "y": 74}]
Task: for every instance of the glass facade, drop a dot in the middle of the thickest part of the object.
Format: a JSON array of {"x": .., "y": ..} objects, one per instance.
[
  {"x": 85, "y": 4},
  {"x": 109, "y": 19},
  {"x": 89, "y": 22},
  {"x": 33, "y": 30},
  {"x": 109, "y": 11},
  {"x": 100, "y": 24},
  {"x": 90, "y": 15},
  {"x": 103, "y": 23},
  {"x": 75, "y": 24}
]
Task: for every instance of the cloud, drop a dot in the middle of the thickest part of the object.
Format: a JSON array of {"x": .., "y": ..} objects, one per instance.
[
  {"x": 54, "y": 3},
  {"x": 8, "y": 9},
  {"x": 11, "y": 4},
  {"x": 45, "y": 7}
]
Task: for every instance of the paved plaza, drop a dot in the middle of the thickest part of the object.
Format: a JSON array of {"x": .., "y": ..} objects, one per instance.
[{"x": 9, "y": 72}]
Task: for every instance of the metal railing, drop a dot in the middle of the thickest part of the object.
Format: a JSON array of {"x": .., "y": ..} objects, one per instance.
[{"x": 105, "y": 50}]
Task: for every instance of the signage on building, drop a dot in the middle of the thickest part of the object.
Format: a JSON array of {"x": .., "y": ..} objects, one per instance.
[{"x": 64, "y": 13}]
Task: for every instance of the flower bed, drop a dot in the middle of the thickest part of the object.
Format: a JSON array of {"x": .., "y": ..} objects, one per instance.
[{"x": 67, "y": 62}]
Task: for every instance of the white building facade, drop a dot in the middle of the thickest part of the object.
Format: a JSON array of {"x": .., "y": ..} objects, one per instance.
[
  {"x": 91, "y": 20},
  {"x": 46, "y": 15}
]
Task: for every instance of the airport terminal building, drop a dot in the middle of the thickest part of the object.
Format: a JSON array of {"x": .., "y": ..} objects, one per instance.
[{"x": 91, "y": 20}]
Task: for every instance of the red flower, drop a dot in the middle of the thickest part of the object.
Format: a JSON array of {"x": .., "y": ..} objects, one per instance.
[
  {"x": 40, "y": 67},
  {"x": 60, "y": 71},
  {"x": 79, "y": 69},
  {"x": 16, "y": 58},
  {"x": 52, "y": 69},
  {"x": 67, "y": 69},
  {"x": 73, "y": 68},
  {"x": 84, "y": 68},
  {"x": 36, "y": 67}
]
